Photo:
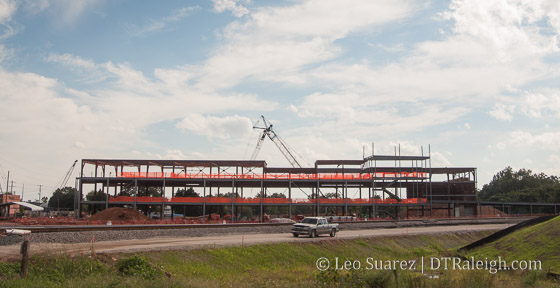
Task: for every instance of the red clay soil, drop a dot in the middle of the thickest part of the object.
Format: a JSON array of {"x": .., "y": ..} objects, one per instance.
[{"x": 119, "y": 214}]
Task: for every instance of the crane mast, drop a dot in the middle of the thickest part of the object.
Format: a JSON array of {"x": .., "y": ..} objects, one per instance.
[{"x": 275, "y": 138}]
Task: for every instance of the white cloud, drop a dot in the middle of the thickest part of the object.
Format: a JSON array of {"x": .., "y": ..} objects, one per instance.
[
  {"x": 35, "y": 6},
  {"x": 42, "y": 124},
  {"x": 70, "y": 60},
  {"x": 553, "y": 167},
  {"x": 5, "y": 53},
  {"x": 216, "y": 127},
  {"x": 172, "y": 154},
  {"x": 438, "y": 160},
  {"x": 502, "y": 112},
  {"x": 547, "y": 141},
  {"x": 7, "y": 9},
  {"x": 542, "y": 103},
  {"x": 230, "y": 5},
  {"x": 494, "y": 47},
  {"x": 175, "y": 92},
  {"x": 535, "y": 104},
  {"x": 544, "y": 141},
  {"x": 69, "y": 11},
  {"x": 86, "y": 70},
  {"x": 275, "y": 44},
  {"x": 158, "y": 24},
  {"x": 507, "y": 26}
]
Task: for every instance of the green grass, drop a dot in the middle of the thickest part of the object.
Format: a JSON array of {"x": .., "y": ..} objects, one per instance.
[
  {"x": 537, "y": 242},
  {"x": 273, "y": 265}
]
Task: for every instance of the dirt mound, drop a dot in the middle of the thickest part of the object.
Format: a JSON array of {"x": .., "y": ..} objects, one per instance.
[{"x": 119, "y": 214}]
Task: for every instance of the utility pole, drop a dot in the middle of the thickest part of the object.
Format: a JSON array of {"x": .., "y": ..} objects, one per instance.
[
  {"x": 7, "y": 181},
  {"x": 40, "y": 192},
  {"x": 22, "y": 190},
  {"x": 12, "y": 189}
]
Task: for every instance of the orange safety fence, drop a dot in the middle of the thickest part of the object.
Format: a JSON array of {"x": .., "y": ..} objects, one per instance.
[
  {"x": 138, "y": 199},
  {"x": 186, "y": 200},
  {"x": 247, "y": 200},
  {"x": 346, "y": 176},
  {"x": 121, "y": 199}
]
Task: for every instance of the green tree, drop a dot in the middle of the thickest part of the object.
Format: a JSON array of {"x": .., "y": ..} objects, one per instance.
[
  {"x": 127, "y": 191},
  {"x": 63, "y": 198},
  {"x": 92, "y": 196},
  {"x": 521, "y": 186},
  {"x": 273, "y": 195},
  {"x": 186, "y": 193},
  {"x": 149, "y": 191}
]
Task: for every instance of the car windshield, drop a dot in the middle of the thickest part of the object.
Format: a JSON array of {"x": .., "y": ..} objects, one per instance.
[{"x": 309, "y": 221}]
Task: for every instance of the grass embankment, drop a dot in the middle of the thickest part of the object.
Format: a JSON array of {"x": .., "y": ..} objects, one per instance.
[
  {"x": 274, "y": 265},
  {"x": 537, "y": 242}
]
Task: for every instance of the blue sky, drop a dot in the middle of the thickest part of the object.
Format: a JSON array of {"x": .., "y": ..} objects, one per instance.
[{"x": 477, "y": 80}]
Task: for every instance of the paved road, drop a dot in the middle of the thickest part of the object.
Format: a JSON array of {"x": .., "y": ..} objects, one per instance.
[{"x": 165, "y": 243}]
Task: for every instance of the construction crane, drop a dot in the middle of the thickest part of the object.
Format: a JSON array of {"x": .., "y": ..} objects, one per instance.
[
  {"x": 282, "y": 146},
  {"x": 67, "y": 176}
]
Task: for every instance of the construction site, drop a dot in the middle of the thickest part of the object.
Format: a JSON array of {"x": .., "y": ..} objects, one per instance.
[
  {"x": 377, "y": 186},
  {"x": 374, "y": 187}
]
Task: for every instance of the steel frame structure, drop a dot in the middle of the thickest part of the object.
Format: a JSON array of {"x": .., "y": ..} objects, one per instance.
[{"x": 400, "y": 181}]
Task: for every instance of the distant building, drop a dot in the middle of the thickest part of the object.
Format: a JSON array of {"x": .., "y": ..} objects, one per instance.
[{"x": 13, "y": 209}]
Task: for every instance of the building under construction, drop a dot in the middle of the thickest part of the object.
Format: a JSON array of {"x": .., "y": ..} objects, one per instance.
[{"x": 376, "y": 186}]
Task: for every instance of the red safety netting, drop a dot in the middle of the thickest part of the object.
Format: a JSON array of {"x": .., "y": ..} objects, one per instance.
[
  {"x": 346, "y": 176},
  {"x": 237, "y": 200}
]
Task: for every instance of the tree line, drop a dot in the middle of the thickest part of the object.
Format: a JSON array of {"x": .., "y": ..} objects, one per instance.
[{"x": 521, "y": 186}]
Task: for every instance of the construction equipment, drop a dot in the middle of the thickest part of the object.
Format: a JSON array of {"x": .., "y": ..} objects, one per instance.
[
  {"x": 267, "y": 130},
  {"x": 67, "y": 176}
]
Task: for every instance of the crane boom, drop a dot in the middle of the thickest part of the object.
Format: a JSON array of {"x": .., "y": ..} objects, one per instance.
[
  {"x": 67, "y": 176},
  {"x": 275, "y": 138},
  {"x": 259, "y": 145}
]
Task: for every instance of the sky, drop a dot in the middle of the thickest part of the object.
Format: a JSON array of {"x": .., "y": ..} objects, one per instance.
[{"x": 475, "y": 80}]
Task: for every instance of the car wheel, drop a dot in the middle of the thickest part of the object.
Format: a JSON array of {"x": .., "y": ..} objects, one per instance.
[
  {"x": 295, "y": 234},
  {"x": 313, "y": 234},
  {"x": 333, "y": 232}
]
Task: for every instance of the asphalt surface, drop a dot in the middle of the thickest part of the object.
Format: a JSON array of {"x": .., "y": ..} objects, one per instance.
[{"x": 11, "y": 252}]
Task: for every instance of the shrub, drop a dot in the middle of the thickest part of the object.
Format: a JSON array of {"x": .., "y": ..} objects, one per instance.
[{"x": 138, "y": 266}]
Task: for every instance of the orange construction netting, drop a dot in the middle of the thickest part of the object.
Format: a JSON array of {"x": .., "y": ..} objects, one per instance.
[
  {"x": 346, "y": 176},
  {"x": 238, "y": 200}
]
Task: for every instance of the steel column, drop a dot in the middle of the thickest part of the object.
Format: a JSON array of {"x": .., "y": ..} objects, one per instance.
[
  {"x": 80, "y": 191},
  {"x": 318, "y": 200},
  {"x": 203, "y": 203},
  {"x": 261, "y": 206},
  {"x": 290, "y": 197},
  {"x": 232, "y": 199},
  {"x": 345, "y": 191},
  {"x": 107, "y": 195},
  {"x": 163, "y": 196},
  {"x": 135, "y": 191}
]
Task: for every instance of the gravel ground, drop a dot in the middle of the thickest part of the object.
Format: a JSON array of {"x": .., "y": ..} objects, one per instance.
[
  {"x": 84, "y": 237},
  {"x": 81, "y": 237}
]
